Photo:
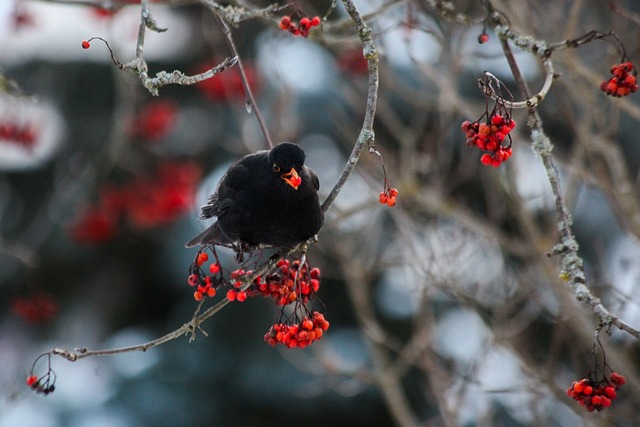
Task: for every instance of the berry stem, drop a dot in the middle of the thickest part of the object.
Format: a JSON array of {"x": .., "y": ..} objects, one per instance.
[{"x": 250, "y": 96}]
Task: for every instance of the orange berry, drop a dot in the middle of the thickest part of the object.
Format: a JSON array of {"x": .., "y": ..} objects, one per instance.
[
  {"x": 202, "y": 258},
  {"x": 285, "y": 22},
  {"x": 86, "y": 44},
  {"x": 307, "y": 324}
]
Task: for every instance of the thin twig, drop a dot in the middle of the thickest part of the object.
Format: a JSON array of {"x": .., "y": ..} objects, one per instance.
[
  {"x": 188, "y": 328},
  {"x": 367, "y": 136},
  {"x": 532, "y": 101},
  {"x": 251, "y": 98}
]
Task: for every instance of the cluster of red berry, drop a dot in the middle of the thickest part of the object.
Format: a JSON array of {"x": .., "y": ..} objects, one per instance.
[
  {"x": 292, "y": 282},
  {"x": 622, "y": 83},
  {"x": 202, "y": 288},
  {"x": 302, "y": 28},
  {"x": 236, "y": 294},
  {"x": 352, "y": 61},
  {"x": 155, "y": 120},
  {"x": 299, "y": 334},
  {"x": 489, "y": 137},
  {"x": 148, "y": 201},
  {"x": 23, "y": 135},
  {"x": 388, "y": 196},
  {"x": 44, "y": 387},
  {"x": 35, "y": 308},
  {"x": 205, "y": 285},
  {"x": 289, "y": 283},
  {"x": 596, "y": 395}
]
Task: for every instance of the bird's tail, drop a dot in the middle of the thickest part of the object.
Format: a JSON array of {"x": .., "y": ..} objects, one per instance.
[{"x": 212, "y": 235}]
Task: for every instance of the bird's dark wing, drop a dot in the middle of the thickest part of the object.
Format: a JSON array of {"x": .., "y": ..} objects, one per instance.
[
  {"x": 229, "y": 196},
  {"x": 314, "y": 178},
  {"x": 231, "y": 187}
]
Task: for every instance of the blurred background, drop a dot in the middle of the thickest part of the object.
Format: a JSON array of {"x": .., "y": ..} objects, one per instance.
[{"x": 444, "y": 309}]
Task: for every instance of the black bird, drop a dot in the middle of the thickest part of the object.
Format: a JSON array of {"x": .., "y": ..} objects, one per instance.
[{"x": 268, "y": 198}]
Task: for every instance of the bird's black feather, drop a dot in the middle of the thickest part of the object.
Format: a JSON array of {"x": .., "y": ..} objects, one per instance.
[{"x": 254, "y": 205}]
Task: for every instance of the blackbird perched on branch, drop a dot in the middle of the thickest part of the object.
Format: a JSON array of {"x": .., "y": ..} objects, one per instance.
[{"x": 268, "y": 198}]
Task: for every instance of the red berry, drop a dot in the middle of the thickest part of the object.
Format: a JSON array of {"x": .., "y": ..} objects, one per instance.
[
  {"x": 32, "y": 381},
  {"x": 384, "y": 198},
  {"x": 193, "y": 279},
  {"x": 197, "y": 295},
  {"x": 241, "y": 296},
  {"x": 214, "y": 268},
  {"x": 617, "y": 379},
  {"x": 202, "y": 258},
  {"x": 86, "y": 44},
  {"x": 231, "y": 295},
  {"x": 315, "y": 21},
  {"x": 491, "y": 145},
  {"x": 588, "y": 390},
  {"x": 305, "y": 23},
  {"x": 285, "y": 22},
  {"x": 610, "y": 392},
  {"x": 483, "y": 38},
  {"x": 485, "y": 159}
]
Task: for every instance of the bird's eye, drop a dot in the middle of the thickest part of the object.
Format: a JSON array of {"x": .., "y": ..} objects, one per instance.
[{"x": 276, "y": 168}]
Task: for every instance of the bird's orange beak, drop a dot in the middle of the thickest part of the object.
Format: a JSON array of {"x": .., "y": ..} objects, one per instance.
[{"x": 292, "y": 178}]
